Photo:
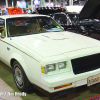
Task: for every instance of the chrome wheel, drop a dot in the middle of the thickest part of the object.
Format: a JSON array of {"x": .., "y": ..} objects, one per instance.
[{"x": 18, "y": 76}]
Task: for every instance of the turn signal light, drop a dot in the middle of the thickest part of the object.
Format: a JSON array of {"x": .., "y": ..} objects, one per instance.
[
  {"x": 65, "y": 85},
  {"x": 42, "y": 69}
]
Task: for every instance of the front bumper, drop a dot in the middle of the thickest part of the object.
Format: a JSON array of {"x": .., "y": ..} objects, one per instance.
[
  {"x": 49, "y": 82},
  {"x": 58, "y": 93}
]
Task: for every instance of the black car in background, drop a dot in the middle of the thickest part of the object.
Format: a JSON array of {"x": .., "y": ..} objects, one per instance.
[
  {"x": 87, "y": 22},
  {"x": 62, "y": 19}
]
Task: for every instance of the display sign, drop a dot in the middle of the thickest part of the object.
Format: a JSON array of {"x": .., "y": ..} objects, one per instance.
[
  {"x": 13, "y": 11},
  {"x": 74, "y": 8}
]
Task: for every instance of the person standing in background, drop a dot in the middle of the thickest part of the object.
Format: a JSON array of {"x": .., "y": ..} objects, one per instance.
[
  {"x": 6, "y": 12},
  {"x": 3, "y": 12}
]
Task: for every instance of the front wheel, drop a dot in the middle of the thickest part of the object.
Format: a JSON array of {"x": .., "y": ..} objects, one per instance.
[{"x": 20, "y": 77}]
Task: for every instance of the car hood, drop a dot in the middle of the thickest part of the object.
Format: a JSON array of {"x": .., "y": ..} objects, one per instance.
[
  {"x": 90, "y": 10},
  {"x": 55, "y": 43}
]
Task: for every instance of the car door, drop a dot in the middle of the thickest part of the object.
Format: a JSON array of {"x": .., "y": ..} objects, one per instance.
[{"x": 3, "y": 44}]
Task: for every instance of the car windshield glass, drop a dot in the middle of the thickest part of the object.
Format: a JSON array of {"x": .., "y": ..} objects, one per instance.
[
  {"x": 73, "y": 16},
  {"x": 31, "y": 25},
  {"x": 61, "y": 18}
]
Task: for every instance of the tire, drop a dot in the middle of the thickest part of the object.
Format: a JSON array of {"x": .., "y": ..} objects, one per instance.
[{"x": 20, "y": 78}]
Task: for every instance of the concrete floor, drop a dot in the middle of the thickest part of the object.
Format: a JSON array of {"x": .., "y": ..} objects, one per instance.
[{"x": 82, "y": 93}]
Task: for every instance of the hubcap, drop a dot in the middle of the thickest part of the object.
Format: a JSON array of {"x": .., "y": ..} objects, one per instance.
[{"x": 18, "y": 76}]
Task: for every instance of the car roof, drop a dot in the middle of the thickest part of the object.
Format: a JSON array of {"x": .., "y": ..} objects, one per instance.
[
  {"x": 50, "y": 10},
  {"x": 60, "y": 13},
  {"x": 21, "y": 15}
]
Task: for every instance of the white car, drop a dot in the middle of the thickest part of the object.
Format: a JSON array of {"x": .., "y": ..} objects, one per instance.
[{"x": 41, "y": 53}]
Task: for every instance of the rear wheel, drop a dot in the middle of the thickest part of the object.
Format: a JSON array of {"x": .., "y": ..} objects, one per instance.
[{"x": 20, "y": 78}]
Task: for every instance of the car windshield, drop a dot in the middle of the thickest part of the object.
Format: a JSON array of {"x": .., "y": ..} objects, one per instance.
[
  {"x": 31, "y": 25},
  {"x": 61, "y": 19},
  {"x": 73, "y": 16}
]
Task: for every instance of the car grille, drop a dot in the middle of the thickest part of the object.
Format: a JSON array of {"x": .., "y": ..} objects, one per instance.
[{"x": 86, "y": 63}]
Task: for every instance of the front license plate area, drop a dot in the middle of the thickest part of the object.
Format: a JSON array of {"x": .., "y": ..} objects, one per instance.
[{"x": 93, "y": 80}]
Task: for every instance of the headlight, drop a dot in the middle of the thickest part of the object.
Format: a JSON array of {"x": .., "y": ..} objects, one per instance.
[
  {"x": 50, "y": 68},
  {"x": 62, "y": 65}
]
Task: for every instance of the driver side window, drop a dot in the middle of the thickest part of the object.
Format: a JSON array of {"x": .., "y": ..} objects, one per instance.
[{"x": 2, "y": 27}]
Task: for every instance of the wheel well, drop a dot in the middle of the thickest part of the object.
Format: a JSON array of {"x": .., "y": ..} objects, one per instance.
[{"x": 11, "y": 62}]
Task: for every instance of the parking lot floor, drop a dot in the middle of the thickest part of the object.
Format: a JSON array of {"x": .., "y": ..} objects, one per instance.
[{"x": 6, "y": 80}]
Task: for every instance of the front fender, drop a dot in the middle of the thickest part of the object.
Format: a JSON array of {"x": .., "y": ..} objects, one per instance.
[{"x": 20, "y": 59}]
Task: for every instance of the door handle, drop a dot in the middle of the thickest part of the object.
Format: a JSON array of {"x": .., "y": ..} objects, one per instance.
[{"x": 8, "y": 48}]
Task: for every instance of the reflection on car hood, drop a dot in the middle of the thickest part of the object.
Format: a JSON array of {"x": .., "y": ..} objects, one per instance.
[
  {"x": 55, "y": 43},
  {"x": 90, "y": 10}
]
